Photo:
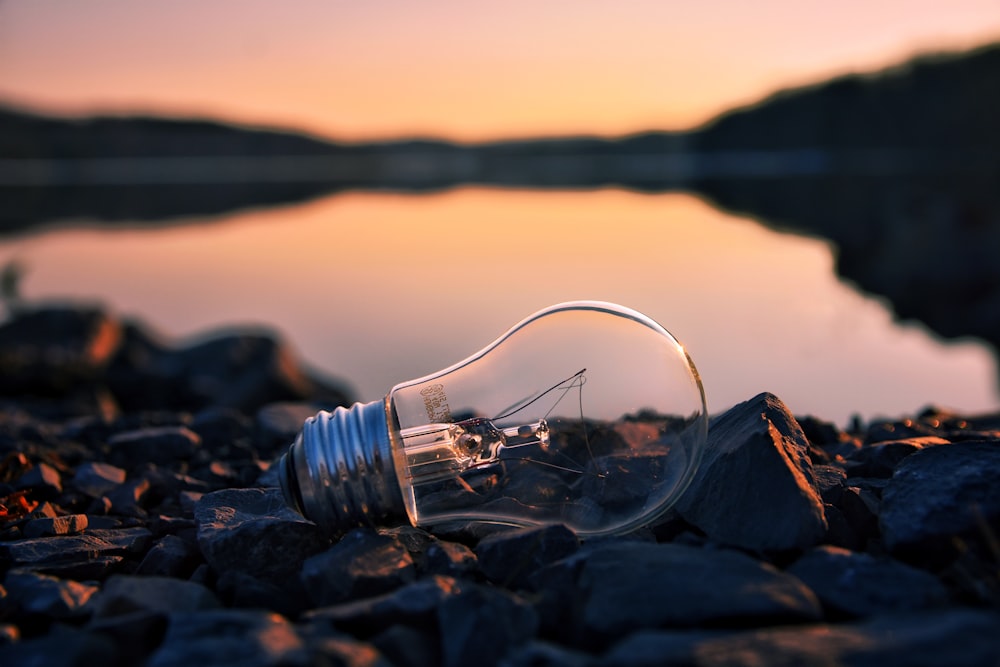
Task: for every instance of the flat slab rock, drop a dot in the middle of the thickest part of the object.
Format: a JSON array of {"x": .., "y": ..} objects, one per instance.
[
  {"x": 939, "y": 494},
  {"x": 953, "y": 637},
  {"x": 618, "y": 587},
  {"x": 254, "y": 532}
]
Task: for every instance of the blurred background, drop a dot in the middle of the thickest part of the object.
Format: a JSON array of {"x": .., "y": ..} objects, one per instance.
[{"x": 805, "y": 194}]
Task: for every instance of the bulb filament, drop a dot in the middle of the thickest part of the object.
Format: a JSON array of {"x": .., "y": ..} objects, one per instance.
[{"x": 440, "y": 451}]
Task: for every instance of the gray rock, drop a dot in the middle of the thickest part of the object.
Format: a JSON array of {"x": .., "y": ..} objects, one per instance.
[
  {"x": 859, "y": 584},
  {"x": 128, "y": 499},
  {"x": 162, "y": 445},
  {"x": 953, "y": 637},
  {"x": 62, "y": 645},
  {"x": 881, "y": 458},
  {"x": 71, "y": 549},
  {"x": 449, "y": 558},
  {"x": 238, "y": 589},
  {"x": 41, "y": 594},
  {"x": 654, "y": 648},
  {"x": 277, "y": 424},
  {"x": 125, "y": 594},
  {"x": 416, "y": 540},
  {"x": 362, "y": 564},
  {"x": 51, "y": 351},
  {"x": 9, "y": 633},
  {"x": 860, "y": 508},
  {"x": 42, "y": 479},
  {"x": 545, "y": 654},
  {"x": 615, "y": 588},
  {"x": 829, "y": 481},
  {"x": 69, "y": 524},
  {"x": 407, "y": 647},
  {"x": 510, "y": 558},
  {"x": 414, "y": 605},
  {"x": 222, "y": 429},
  {"x": 240, "y": 638},
  {"x": 479, "y": 625},
  {"x": 938, "y": 494},
  {"x": 253, "y": 531},
  {"x": 135, "y": 635},
  {"x": 755, "y": 487},
  {"x": 839, "y": 532},
  {"x": 343, "y": 650},
  {"x": 170, "y": 556},
  {"x": 97, "y": 479},
  {"x": 244, "y": 371}
]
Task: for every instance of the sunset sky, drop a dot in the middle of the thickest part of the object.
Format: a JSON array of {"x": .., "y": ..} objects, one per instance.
[{"x": 462, "y": 70}]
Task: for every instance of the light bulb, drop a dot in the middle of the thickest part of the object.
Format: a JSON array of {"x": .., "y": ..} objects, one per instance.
[{"x": 587, "y": 414}]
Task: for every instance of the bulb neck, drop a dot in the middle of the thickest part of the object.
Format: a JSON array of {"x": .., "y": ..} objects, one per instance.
[{"x": 339, "y": 472}]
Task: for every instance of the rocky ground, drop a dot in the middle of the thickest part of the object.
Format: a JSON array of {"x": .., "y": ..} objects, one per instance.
[{"x": 140, "y": 524}]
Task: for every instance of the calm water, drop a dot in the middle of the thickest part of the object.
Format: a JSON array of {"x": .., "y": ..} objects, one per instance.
[{"x": 380, "y": 288}]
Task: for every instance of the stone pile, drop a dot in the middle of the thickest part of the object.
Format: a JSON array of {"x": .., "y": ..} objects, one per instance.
[{"x": 140, "y": 524}]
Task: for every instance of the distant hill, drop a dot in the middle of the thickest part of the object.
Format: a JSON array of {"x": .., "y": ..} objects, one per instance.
[
  {"x": 946, "y": 104},
  {"x": 27, "y": 135},
  {"x": 936, "y": 102},
  {"x": 899, "y": 169}
]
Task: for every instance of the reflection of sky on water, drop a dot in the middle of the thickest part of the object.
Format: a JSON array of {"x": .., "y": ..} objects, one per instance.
[{"x": 379, "y": 288}]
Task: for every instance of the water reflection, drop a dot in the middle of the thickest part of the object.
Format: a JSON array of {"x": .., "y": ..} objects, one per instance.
[{"x": 378, "y": 288}]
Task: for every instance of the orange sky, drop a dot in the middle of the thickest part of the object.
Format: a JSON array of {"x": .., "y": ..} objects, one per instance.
[{"x": 462, "y": 70}]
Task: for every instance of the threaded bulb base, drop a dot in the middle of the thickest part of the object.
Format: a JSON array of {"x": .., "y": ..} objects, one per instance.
[{"x": 339, "y": 472}]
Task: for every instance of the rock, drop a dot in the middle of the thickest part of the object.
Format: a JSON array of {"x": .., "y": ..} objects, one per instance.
[
  {"x": 664, "y": 647},
  {"x": 954, "y": 637},
  {"x": 43, "y": 480},
  {"x": 243, "y": 371},
  {"x": 135, "y": 635},
  {"x": 615, "y": 588},
  {"x": 479, "y": 625},
  {"x": 755, "y": 487},
  {"x": 545, "y": 654},
  {"x": 860, "y": 508},
  {"x": 238, "y": 589},
  {"x": 939, "y": 494},
  {"x": 170, "y": 556},
  {"x": 41, "y": 594},
  {"x": 125, "y": 594},
  {"x": 51, "y": 526},
  {"x": 162, "y": 445},
  {"x": 62, "y": 645},
  {"x": 407, "y": 647},
  {"x": 241, "y": 638},
  {"x": 510, "y": 558},
  {"x": 127, "y": 499},
  {"x": 449, "y": 558},
  {"x": 362, "y": 564},
  {"x": 333, "y": 650},
  {"x": 414, "y": 605},
  {"x": 223, "y": 429},
  {"x": 859, "y": 584},
  {"x": 840, "y": 532},
  {"x": 71, "y": 550},
  {"x": 97, "y": 479},
  {"x": 253, "y": 531},
  {"x": 829, "y": 482},
  {"x": 277, "y": 424},
  {"x": 881, "y": 458},
  {"x": 52, "y": 351},
  {"x": 9, "y": 634}
]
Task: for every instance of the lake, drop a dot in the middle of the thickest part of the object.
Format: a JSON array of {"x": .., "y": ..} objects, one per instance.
[{"x": 376, "y": 288}]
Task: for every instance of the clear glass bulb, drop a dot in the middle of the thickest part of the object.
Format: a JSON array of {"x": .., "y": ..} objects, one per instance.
[{"x": 587, "y": 414}]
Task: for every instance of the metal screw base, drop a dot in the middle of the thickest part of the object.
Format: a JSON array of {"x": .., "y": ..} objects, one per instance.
[{"x": 339, "y": 472}]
